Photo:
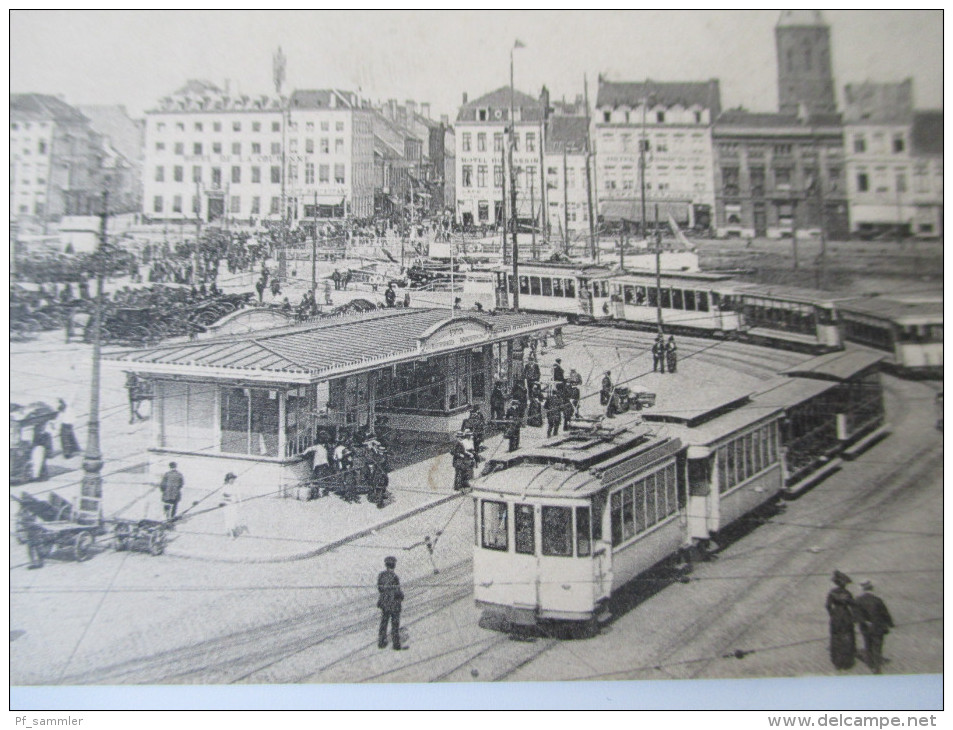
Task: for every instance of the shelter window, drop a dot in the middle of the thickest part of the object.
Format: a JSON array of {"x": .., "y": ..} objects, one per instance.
[
  {"x": 250, "y": 421},
  {"x": 557, "y": 531},
  {"x": 524, "y": 525},
  {"x": 583, "y": 540},
  {"x": 494, "y": 525}
]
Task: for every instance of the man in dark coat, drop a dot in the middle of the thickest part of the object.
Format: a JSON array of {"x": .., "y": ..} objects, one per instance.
[
  {"x": 497, "y": 402},
  {"x": 476, "y": 425},
  {"x": 658, "y": 354},
  {"x": 558, "y": 375},
  {"x": 875, "y": 623},
  {"x": 554, "y": 412},
  {"x": 390, "y": 296},
  {"x": 671, "y": 354},
  {"x": 389, "y": 600},
  {"x": 171, "y": 486},
  {"x": 605, "y": 392},
  {"x": 463, "y": 461},
  {"x": 514, "y": 418},
  {"x": 840, "y": 609},
  {"x": 531, "y": 373}
]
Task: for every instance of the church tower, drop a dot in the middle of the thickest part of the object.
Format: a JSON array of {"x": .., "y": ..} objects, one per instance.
[{"x": 804, "y": 62}]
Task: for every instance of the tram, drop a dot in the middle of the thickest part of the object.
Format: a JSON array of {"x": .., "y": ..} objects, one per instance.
[
  {"x": 910, "y": 332},
  {"x": 578, "y": 291},
  {"x": 792, "y": 317}
]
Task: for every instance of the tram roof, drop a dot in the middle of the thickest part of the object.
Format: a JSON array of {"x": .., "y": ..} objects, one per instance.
[
  {"x": 897, "y": 310},
  {"x": 836, "y": 365},
  {"x": 557, "y": 267},
  {"x": 787, "y": 392},
  {"x": 671, "y": 276},
  {"x": 334, "y": 346},
  {"x": 576, "y": 466},
  {"x": 727, "y": 424},
  {"x": 789, "y": 293}
]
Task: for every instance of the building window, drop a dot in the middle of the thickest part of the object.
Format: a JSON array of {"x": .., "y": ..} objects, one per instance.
[
  {"x": 180, "y": 148},
  {"x": 782, "y": 177},
  {"x": 309, "y": 173},
  {"x": 256, "y": 126},
  {"x": 497, "y": 176},
  {"x": 196, "y": 209},
  {"x": 177, "y": 204},
  {"x": 530, "y": 141},
  {"x": 863, "y": 182},
  {"x": 236, "y": 126},
  {"x": 324, "y": 173},
  {"x": 160, "y": 174},
  {"x": 309, "y": 146},
  {"x": 660, "y": 117},
  {"x": 178, "y": 173},
  {"x": 276, "y": 173},
  {"x": 898, "y": 143},
  {"x": 698, "y": 117},
  {"x": 498, "y": 142},
  {"x": 160, "y": 147},
  {"x": 482, "y": 115},
  {"x": 293, "y": 145},
  {"x": 325, "y": 146},
  {"x": 197, "y": 149},
  {"x": 216, "y": 148},
  {"x": 276, "y": 127},
  {"x": 309, "y": 126},
  {"x": 325, "y": 126},
  {"x": 339, "y": 126},
  {"x": 901, "y": 182},
  {"x": 465, "y": 142},
  {"x": 339, "y": 174},
  {"x": 180, "y": 126},
  {"x": 216, "y": 177},
  {"x": 467, "y": 176},
  {"x": 481, "y": 142},
  {"x": 782, "y": 149},
  {"x": 236, "y": 174},
  {"x": 217, "y": 127},
  {"x": 256, "y": 174},
  {"x": 236, "y": 148},
  {"x": 275, "y": 206},
  {"x": 860, "y": 144},
  {"x": 481, "y": 176},
  {"x": 236, "y": 206},
  {"x": 292, "y": 173},
  {"x": 607, "y": 117},
  {"x": 157, "y": 204},
  {"x": 256, "y": 148},
  {"x": 196, "y": 173},
  {"x": 338, "y": 146},
  {"x": 516, "y": 142},
  {"x": 255, "y": 206}
]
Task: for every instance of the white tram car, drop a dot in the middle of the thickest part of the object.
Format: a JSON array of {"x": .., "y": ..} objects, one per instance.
[{"x": 580, "y": 292}]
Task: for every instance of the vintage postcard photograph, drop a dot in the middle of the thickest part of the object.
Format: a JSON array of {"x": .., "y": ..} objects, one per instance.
[{"x": 476, "y": 351}]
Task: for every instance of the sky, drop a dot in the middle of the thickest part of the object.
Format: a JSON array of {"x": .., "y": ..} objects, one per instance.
[{"x": 136, "y": 57}]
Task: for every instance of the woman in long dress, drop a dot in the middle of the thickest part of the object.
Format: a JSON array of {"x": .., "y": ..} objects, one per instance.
[{"x": 840, "y": 609}]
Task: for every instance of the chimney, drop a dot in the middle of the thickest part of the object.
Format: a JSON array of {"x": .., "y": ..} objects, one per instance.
[
  {"x": 332, "y": 99},
  {"x": 544, "y": 101},
  {"x": 464, "y": 97},
  {"x": 411, "y": 108},
  {"x": 392, "y": 109},
  {"x": 425, "y": 110}
]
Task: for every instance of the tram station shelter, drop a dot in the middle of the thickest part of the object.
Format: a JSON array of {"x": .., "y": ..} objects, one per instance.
[{"x": 251, "y": 401}]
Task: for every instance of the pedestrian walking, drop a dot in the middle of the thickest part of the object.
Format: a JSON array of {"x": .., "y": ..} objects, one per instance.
[
  {"x": 260, "y": 288},
  {"x": 476, "y": 425},
  {"x": 389, "y": 600},
  {"x": 671, "y": 353},
  {"x": 171, "y": 486},
  {"x": 231, "y": 507},
  {"x": 567, "y": 407},
  {"x": 559, "y": 375},
  {"x": 513, "y": 425},
  {"x": 497, "y": 402},
  {"x": 875, "y": 623},
  {"x": 605, "y": 392},
  {"x": 531, "y": 373},
  {"x": 658, "y": 354},
  {"x": 378, "y": 480},
  {"x": 840, "y": 609},
  {"x": 553, "y": 408},
  {"x": 68, "y": 442},
  {"x": 275, "y": 287}
]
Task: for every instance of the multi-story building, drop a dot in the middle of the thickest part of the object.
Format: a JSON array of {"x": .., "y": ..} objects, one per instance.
[
  {"x": 217, "y": 156},
  {"x": 927, "y": 155},
  {"x": 803, "y": 43},
  {"x": 482, "y": 133},
  {"x": 878, "y": 119},
  {"x": 55, "y": 160},
  {"x": 779, "y": 175},
  {"x": 564, "y": 162},
  {"x": 122, "y": 153},
  {"x": 672, "y": 123}
]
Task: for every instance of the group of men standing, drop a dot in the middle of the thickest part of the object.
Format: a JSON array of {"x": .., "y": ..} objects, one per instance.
[{"x": 664, "y": 353}]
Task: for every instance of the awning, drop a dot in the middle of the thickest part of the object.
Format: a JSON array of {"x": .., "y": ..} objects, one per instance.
[{"x": 631, "y": 210}]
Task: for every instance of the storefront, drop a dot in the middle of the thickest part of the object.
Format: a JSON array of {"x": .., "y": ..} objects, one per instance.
[{"x": 251, "y": 401}]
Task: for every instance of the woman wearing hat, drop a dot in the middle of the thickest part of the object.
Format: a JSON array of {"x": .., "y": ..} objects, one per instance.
[{"x": 840, "y": 609}]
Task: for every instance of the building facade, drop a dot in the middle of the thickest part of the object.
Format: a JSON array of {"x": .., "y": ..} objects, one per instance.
[
  {"x": 672, "y": 123},
  {"x": 927, "y": 155},
  {"x": 564, "y": 162},
  {"x": 55, "y": 160},
  {"x": 482, "y": 134},
  {"x": 122, "y": 154},
  {"x": 779, "y": 175},
  {"x": 238, "y": 158}
]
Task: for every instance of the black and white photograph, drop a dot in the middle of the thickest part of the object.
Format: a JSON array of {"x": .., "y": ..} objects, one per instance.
[{"x": 504, "y": 354}]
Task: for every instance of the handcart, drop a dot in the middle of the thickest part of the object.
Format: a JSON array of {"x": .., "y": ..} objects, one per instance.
[{"x": 52, "y": 524}]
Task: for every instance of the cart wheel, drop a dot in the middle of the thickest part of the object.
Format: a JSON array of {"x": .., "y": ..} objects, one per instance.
[
  {"x": 157, "y": 542},
  {"x": 81, "y": 546}
]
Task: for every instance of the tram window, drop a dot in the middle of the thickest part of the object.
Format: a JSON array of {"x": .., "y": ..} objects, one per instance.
[
  {"x": 570, "y": 288},
  {"x": 935, "y": 333},
  {"x": 494, "y": 525},
  {"x": 511, "y": 280},
  {"x": 756, "y": 449},
  {"x": 677, "y": 302},
  {"x": 547, "y": 286},
  {"x": 628, "y": 518},
  {"x": 583, "y": 543},
  {"x": 651, "y": 516},
  {"x": 653, "y": 296},
  {"x": 557, "y": 287},
  {"x": 689, "y": 300},
  {"x": 524, "y": 285},
  {"x": 671, "y": 490},
  {"x": 666, "y": 299},
  {"x": 638, "y": 507},
  {"x": 557, "y": 531},
  {"x": 534, "y": 285},
  {"x": 615, "y": 514},
  {"x": 629, "y": 295},
  {"x": 825, "y": 316},
  {"x": 640, "y": 295},
  {"x": 598, "y": 509},
  {"x": 730, "y": 466},
  {"x": 524, "y": 528}
]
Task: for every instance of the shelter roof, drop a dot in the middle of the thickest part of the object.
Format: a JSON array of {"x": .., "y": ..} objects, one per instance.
[{"x": 836, "y": 365}]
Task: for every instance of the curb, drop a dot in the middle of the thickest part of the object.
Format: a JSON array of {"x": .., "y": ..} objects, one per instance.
[{"x": 324, "y": 548}]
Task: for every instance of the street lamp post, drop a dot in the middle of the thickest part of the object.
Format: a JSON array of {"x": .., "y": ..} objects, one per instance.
[{"x": 91, "y": 489}]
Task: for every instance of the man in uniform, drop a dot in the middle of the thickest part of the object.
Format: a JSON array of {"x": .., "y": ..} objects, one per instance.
[
  {"x": 875, "y": 623},
  {"x": 476, "y": 425},
  {"x": 171, "y": 486},
  {"x": 513, "y": 417},
  {"x": 605, "y": 392},
  {"x": 658, "y": 354},
  {"x": 389, "y": 600},
  {"x": 554, "y": 412}
]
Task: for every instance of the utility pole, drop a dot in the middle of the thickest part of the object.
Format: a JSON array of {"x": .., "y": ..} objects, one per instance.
[
  {"x": 565, "y": 200},
  {"x": 91, "y": 489},
  {"x": 593, "y": 251},
  {"x": 532, "y": 213},
  {"x": 314, "y": 245},
  {"x": 516, "y": 251},
  {"x": 503, "y": 216},
  {"x": 198, "y": 231},
  {"x": 794, "y": 229},
  {"x": 658, "y": 271},
  {"x": 642, "y": 145}
]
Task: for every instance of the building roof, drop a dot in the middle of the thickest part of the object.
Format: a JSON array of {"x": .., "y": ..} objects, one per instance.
[
  {"x": 705, "y": 94},
  {"x": 124, "y": 133},
  {"x": 800, "y": 18},
  {"x": 328, "y": 347},
  {"x": 321, "y": 99},
  {"x": 774, "y": 120},
  {"x": 43, "y": 107},
  {"x": 531, "y": 110},
  {"x": 928, "y": 132},
  {"x": 566, "y": 133},
  {"x": 876, "y": 102}
]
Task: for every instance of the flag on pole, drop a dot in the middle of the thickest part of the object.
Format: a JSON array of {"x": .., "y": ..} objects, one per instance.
[
  {"x": 519, "y": 44},
  {"x": 278, "y": 67}
]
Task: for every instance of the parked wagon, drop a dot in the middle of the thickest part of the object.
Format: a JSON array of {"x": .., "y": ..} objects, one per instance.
[{"x": 51, "y": 525}]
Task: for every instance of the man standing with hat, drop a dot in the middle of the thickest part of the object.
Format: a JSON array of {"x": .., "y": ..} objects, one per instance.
[
  {"x": 389, "y": 600},
  {"x": 875, "y": 623},
  {"x": 171, "y": 486},
  {"x": 840, "y": 609}
]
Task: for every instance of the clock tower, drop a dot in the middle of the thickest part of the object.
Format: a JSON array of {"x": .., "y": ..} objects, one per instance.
[{"x": 804, "y": 63}]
